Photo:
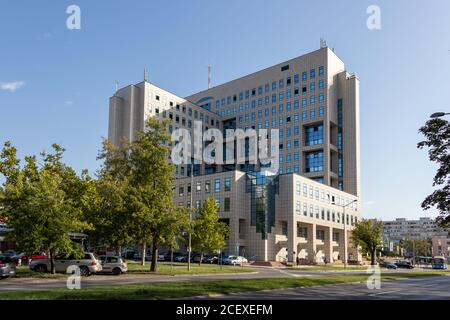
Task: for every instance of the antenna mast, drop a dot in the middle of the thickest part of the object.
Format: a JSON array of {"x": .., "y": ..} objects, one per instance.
[{"x": 209, "y": 77}]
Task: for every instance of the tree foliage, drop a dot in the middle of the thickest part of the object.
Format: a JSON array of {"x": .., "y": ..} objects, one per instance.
[
  {"x": 44, "y": 203},
  {"x": 142, "y": 169},
  {"x": 368, "y": 234},
  {"x": 209, "y": 233},
  {"x": 437, "y": 134}
]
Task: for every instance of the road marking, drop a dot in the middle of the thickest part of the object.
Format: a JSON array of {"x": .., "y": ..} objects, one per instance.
[{"x": 384, "y": 292}]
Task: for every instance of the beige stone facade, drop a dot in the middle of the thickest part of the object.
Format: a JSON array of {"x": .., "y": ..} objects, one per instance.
[{"x": 315, "y": 104}]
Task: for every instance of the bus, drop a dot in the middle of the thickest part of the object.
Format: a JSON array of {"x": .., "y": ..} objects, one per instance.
[{"x": 439, "y": 262}]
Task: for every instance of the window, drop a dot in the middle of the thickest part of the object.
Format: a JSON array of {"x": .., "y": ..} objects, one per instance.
[
  {"x": 227, "y": 205},
  {"x": 311, "y": 211},
  {"x": 304, "y": 76},
  {"x": 189, "y": 188},
  {"x": 217, "y": 185},
  {"x": 198, "y": 186},
  {"x": 320, "y": 235},
  {"x": 227, "y": 184},
  {"x": 314, "y": 135},
  {"x": 321, "y": 84},
  {"x": 305, "y": 209},
  {"x": 207, "y": 186},
  {"x": 274, "y": 86},
  {"x": 321, "y": 71},
  {"x": 312, "y": 73},
  {"x": 181, "y": 191},
  {"x": 323, "y": 213},
  {"x": 305, "y": 190},
  {"x": 328, "y": 214},
  {"x": 296, "y": 78},
  {"x": 314, "y": 162},
  {"x": 302, "y": 232},
  {"x": 298, "y": 188},
  {"x": 198, "y": 204},
  {"x": 284, "y": 228},
  {"x": 285, "y": 68},
  {"x": 321, "y": 111},
  {"x": 336, "y": 236}
]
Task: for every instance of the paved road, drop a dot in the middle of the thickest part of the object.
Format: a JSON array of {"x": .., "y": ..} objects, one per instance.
[
  {"x": 430, "y": 288},
  {"x": 25, "y": 284}
]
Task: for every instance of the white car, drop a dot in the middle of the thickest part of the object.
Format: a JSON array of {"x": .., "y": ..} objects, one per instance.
[
  {"x": 88, "y": 264},
  {"x": 235, "y": 260},
  {"x": 113, "y": 264}
]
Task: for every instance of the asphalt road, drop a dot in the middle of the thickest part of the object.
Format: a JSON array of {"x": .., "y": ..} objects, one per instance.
[
  {"x": 27, "y": 284},
  {"x": 429, "y": 288}
]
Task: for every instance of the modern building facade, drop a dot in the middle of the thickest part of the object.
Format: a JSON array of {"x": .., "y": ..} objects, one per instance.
[
  {"x": 402, "y": 229},
  {"x": 298, "y": 212}
]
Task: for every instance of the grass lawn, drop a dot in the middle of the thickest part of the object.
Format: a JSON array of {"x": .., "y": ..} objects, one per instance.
[
  {"x": 195, "y": 288},
  {"x": 181, "y": 268},
  {"x": 331, "y": 268}
]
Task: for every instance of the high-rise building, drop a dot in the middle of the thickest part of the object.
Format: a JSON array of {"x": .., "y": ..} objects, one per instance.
[{"x": 299, "y": 212}]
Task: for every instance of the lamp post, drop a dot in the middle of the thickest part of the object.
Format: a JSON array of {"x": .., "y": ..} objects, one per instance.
[
  {"x": 190, "y": 217},
  {"x": 345, "y": 228}
]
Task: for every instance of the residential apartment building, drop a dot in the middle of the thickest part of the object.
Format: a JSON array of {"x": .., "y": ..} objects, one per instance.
[{"x": 298, "y": 212}]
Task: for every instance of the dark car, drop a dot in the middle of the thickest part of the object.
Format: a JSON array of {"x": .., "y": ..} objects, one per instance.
[
  {"x": 7, "y": 267},
  {"x": 388, "y": 265},
  {"x": 404, "y": 265},
  {"x": 168, "y": 256}
]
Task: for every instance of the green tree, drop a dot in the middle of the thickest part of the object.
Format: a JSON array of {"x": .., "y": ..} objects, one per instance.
[
  {"x": 43, "y": 204},
  {"x": 209, "y": 233},
  {"x": 368, "y": 234},
  {"x": 143, "y": 167},
  {"x": 417, "y": 247},
  {"x": 437, "y": 134}
]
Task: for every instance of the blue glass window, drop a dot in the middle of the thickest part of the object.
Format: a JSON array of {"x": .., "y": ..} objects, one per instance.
[
  {"x": 312, "y": 99},
  {"x": 314, "y": 135},
  {"x": 321, "y": 84},
  {"x": 304, "y": 116},
  {"x": 260, "y": 90},
  {"x": 314, "y": 162},
  {"x": 295, "y": 104},
  {"x": 296, "y": 131},
  {"x": 274, "y": 86},
  {"x": 321, "y": 97},
  {"x": 321, "y": 71},
  {"x": 304, "y": 103},
  {"x": 321, "y": 111},
  {"x": 296, "y": 78},
  {"x": 296, "y": 144},
  {"x": 312, "y": 73},
  {"x": 304, "y": 75},
  {"x": 312, "y": 114},
  {"x": 274, "y": 98},
  {"x": 281, "y": 83},
  {"x": 312, "y": 86}
]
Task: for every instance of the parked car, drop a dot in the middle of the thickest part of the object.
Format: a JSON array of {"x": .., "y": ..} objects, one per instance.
[
  {"x": 181, "y": 258},
  {"x": 129, "y": 254},
  {"x": 196, "y": 258},
  {"x": 387, "y": 265},
  {"x": 138, "y": 256},
  {"x": 113, "y": 264},
  {"x": 404, "y": 265},
  {"x": 235, "y": 260},
  {"x": 26, "y": 259},
  {"x": 212, "y": 259},
  {"x": 168, "y": 256},
  {"x": 88, "y": 264},
  {"x": 7, "y": 267}
]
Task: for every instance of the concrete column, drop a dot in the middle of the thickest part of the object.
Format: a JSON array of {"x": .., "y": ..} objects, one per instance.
[
  {"x": 292, "y": 238},
  {"x": 329, "y": 244},
  {"x": 341, "y": 245},
  {"x": 312, "y": 246}
]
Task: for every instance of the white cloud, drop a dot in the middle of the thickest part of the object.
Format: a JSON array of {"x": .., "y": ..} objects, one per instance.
[{"x": 11, "y": 86}]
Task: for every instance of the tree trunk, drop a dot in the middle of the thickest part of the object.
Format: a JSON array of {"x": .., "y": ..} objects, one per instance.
[
  {"x": 52, "y": 261},
  {"x": 153, "y": 266},
  {"x": 144, "y": 251},
  {"x": 201, "y": 258},
  {"x": 372, "y": 256},
  {"x": 119, "y": 251}
]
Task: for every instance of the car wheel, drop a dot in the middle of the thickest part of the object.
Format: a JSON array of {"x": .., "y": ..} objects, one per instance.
[
  {"x": 84, "y": 271},
  {"x": 40, "y": 268},
  {"x": 116, "y": 271}
]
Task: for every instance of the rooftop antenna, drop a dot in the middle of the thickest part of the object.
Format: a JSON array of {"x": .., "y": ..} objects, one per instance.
[
  {"x": 323, "y": 43},
  {"x": 145, "y": 75},
  {"x": 209, "y": 77},
  {"x": 117, "y": 86}
]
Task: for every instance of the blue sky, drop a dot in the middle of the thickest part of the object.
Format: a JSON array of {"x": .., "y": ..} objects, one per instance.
[{"x": 65, "y": 77}]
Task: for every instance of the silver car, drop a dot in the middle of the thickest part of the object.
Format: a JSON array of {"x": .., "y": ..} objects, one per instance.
[
  {"x": 7, "y": 267},
  {"x": 113, "y": 264},
  {"x": 88, "y": 264}
]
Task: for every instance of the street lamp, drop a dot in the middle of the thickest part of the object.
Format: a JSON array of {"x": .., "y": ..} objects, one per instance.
[
  {"x": 439, "y": 114},
  {"x": 190, "y": 216},
  {"x": 345, "y": 227}
]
